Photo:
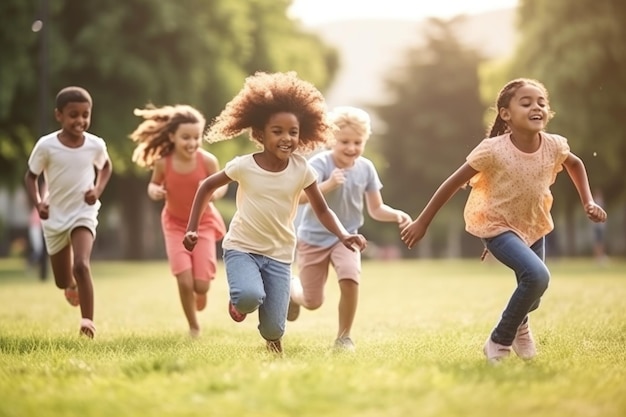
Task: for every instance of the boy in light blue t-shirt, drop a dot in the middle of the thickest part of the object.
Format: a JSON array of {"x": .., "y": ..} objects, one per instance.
[{"x": 344, "y": 177}]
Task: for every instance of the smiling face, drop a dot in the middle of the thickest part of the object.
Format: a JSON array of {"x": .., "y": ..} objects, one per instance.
[
  {"x": 75, "y": 118},
  {"x": 186, "y": 139},
  {"x": 281, "y": 136},
  {"x": 528, "y": 109},
  {"x": 348, "y": 146}
]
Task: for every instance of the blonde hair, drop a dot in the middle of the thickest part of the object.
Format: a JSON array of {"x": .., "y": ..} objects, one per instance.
[
  {"x": 356, "y": 119},
  {"x": 264, "y": 95},
  {"x": 153, "y": 134}
]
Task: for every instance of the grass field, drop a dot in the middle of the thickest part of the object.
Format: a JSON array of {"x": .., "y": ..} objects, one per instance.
[{"x": 419, "y": 334}]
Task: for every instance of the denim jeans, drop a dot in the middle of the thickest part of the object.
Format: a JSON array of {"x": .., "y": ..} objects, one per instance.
[
  {"x": 259, "y": 282},
  {"x": 532, "y": 275}
]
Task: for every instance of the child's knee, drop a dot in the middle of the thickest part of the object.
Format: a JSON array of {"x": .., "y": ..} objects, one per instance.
[
  {"x": 313, "y": 301},
  {"x": 81, "y": 269},
  {"x": 248, "y": 300},
  {"x": 272, "y": 331},
  {"x": 539, "y": 278}
]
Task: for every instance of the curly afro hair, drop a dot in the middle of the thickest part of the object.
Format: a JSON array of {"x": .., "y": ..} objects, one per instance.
[{"x": 264, "y": 95}]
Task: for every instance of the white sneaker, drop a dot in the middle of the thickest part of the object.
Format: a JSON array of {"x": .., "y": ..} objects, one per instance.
[
  {"x": 344, "y": 344},
  {"x": 524, "y": 344},
  {"x": 495, "y": 352}
]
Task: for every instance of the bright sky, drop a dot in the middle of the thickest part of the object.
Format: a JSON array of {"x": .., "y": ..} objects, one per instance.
[{"x": 314, "y": 12}]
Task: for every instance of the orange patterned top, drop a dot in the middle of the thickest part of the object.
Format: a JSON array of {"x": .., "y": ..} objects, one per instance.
[{"x": 511, "y": 191}]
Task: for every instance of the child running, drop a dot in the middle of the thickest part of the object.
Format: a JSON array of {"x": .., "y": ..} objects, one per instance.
[
  {"x": 76, "y": 169},
  {"x": 283, "y": 114},
  {"x": 509, "y": 204},
  {"x": 169, "y": 142},
  {"x": 345, "y": 177}
]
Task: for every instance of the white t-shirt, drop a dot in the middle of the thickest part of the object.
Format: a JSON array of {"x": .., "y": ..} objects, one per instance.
[
  {"x": 69, "y": 174},
  {"x": 266, "y": 206}
]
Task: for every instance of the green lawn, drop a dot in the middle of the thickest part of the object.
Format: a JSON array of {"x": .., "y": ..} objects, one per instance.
[{"x": 419, "y": 334}]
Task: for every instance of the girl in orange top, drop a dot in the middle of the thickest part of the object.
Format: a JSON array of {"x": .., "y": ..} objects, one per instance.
[
  {"x": 509, "y": 206},
  {"x": 169, "y": 143}
]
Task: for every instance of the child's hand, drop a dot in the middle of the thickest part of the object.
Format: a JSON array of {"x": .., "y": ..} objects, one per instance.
[
  {"x": 403, "y": 219},
  {"x": 156, "y": 191},
  {"x": 337, "y": 177},
  {"x": 413, "y": 233},
  {"x": 91, "y": 197},
  {"x": 354, "y": 242},
  {"x": 43, "y": 210},
  {"x": 190, "y": 240},
  {"x": 595, "y": 213}
]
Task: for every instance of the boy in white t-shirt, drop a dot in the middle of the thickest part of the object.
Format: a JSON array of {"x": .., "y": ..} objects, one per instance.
[{"x": 76, "y": 168}]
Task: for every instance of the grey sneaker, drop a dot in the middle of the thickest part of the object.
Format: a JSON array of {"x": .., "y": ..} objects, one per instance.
[
  {"x": 293, "y": 311},
  {"x": 344, "y": 344},
  {"x": 524, "y": 344},
  {"x": 495, "y": 352}
]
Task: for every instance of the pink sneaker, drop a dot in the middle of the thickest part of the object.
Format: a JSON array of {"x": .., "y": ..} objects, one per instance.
[
  {"x": 234, "y": 314},
  {"x": 495, "y": 352},
  {"x": 524, "y": 344}
]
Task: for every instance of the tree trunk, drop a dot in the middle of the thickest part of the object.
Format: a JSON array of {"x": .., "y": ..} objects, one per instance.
[{"x": 133, "y": 203}]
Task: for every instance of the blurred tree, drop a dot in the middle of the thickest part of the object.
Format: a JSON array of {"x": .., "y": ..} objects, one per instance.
[
  {"x": 577, "y": 50},
  {"x": 433, "y": 121},
  {"x": 136, "y": 52}
]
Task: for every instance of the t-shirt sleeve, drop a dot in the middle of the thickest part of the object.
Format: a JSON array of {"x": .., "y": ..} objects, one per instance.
[
  {"x": 38, "y": 159},
  {"x": 319, "y": 165},
  {"x": 481, "y": 157},
  {"x": 310, "y": 175},
  {"x": 102, "y": 156},
  {"x": 373, "y": 180},
  {"x": 562, "y": 151},
  {"x": 232, "y": 168}
]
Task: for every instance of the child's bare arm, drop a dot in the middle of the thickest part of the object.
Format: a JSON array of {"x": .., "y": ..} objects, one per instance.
[
  {"x": 577, "y": 172},
  {"x": 329, "y": 219},
  {"x": 417, "y": 229}
]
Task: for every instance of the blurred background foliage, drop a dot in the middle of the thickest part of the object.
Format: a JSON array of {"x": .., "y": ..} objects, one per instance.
[{"x": 198, "y": 52}]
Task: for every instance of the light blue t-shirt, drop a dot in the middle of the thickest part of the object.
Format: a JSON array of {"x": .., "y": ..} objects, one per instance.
[{"x": 346, "y": 200}]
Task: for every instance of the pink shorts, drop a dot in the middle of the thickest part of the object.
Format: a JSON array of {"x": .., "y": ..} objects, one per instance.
[
  {"x": 314, "y": 261},
  {"x": 202, "y": 261}
]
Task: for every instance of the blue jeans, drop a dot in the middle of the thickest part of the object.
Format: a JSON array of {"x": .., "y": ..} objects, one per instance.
[
  {"x": 259, "y": 282},
  {"x": 532, "y": 275}
]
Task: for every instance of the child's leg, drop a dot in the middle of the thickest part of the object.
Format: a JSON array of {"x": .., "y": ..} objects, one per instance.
[
  {"x": 61, "y": 263},
  {"x": 244, "y": 280},
  {"x": 187, "y": 300},
  {"x": 533, "y": 278},
  {"x": 204, "y": 261},
  {"x": 273, "y": 312},
  {"x": 307, "y": 289},
  {"x": 200, "y": 289},
  {"x": 348, "y": 266},
  {"x": 82, "y": 244},
  {"x": 348, "y": 302}
]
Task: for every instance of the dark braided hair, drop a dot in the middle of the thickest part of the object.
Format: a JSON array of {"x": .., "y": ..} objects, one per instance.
[
  {"x": 264, "y": 95},
  {"x": 153, "y": 134},
  {"x": 499, "y": 126}
]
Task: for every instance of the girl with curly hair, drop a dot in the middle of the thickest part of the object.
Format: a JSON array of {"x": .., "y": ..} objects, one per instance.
[
  {"x": 169, "y": 140},
  {"x": 283, "y": 115}
]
